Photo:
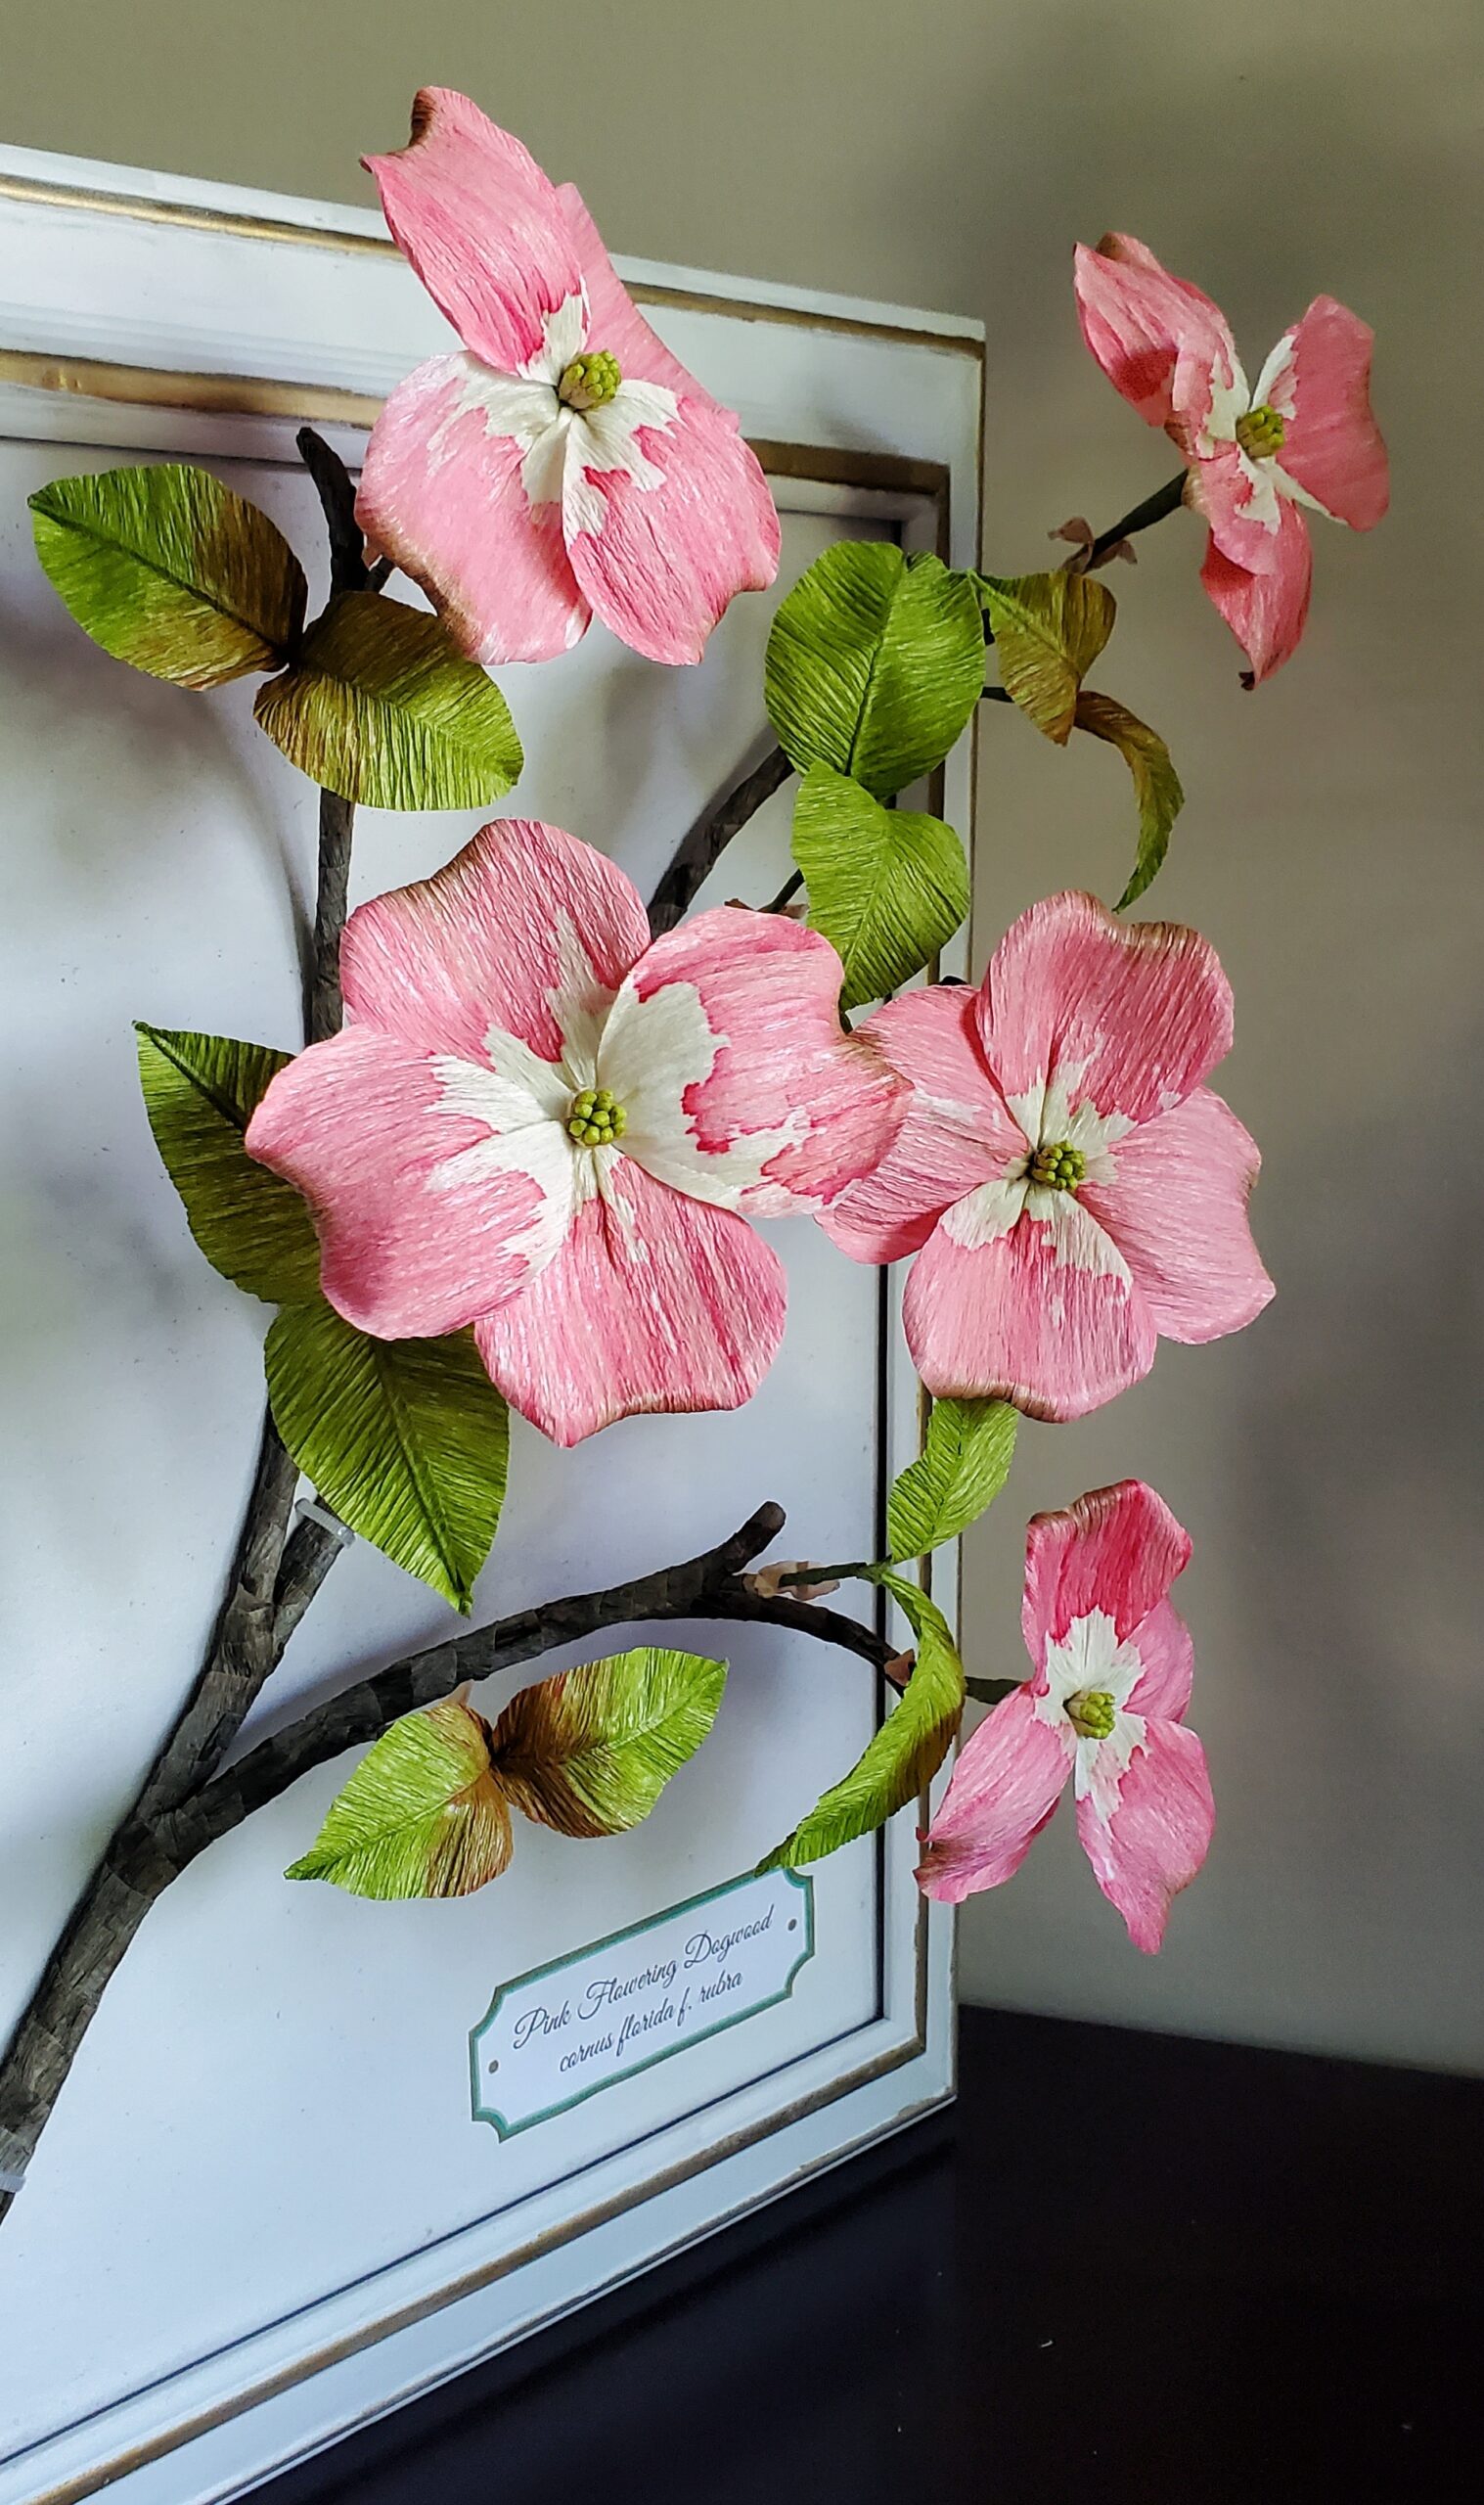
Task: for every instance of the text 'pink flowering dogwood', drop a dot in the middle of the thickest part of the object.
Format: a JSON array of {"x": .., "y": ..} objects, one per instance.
[
  {"x": 1303, "y": 435},
  {"x": 564, "y": 462},
  {"x": 1070, "y": 1189},
  {"x": 538, "y": 1121},
  {"x": 1106, "y": 1705}
]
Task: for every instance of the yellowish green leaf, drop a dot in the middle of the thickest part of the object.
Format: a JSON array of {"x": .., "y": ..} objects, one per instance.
[
  {"x": 889, "y": 887},
  {"x": 381, "y": 707},
  {"x": 407, "y": 1440},
  {"x": 876, "y": 662},
  {"x": 1049, "y": 629},
  {"x": 590, "y": 1751},
  {"x": 167, "y": 570},
  {"x": 906, "y": 1751},
  {"x": 1157, "y": 785},
  {"x": 961, "y": 1470},
  {"x": 422, "y": 1814},
  {"x": 200, "y": 1092}
]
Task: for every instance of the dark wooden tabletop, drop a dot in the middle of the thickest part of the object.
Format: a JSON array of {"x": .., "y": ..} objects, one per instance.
[{"x": 1124, "y": 2267}]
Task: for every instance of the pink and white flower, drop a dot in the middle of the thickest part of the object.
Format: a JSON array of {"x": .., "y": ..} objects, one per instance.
[
  {"x": 1070, "y": 1189},
  {"x": 537, "y": 1122},
  {"x": 1303, "y": 435},
  {"x": 1105, "y": 1706},
  {"x": 564, "y": 462}
]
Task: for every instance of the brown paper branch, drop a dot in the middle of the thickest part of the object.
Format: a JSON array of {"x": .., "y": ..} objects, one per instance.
[{"x": 699, "y": 852}]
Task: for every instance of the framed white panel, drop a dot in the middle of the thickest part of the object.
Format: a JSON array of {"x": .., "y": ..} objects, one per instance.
[{"x": 264, "y": 2210}]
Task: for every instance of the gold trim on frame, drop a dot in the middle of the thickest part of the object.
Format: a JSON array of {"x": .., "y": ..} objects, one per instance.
[{"x": 237, "y": 396}]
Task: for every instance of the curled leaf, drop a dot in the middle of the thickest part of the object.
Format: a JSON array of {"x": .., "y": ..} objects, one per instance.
[
  {"x": 961, "y": 1468},
  {"x": 1049, "y": 629},
  {"x": 1157, "y": 785},
  {"x": 874, "y": 664},
  {"x": 590, "y": 1751},
  {"x": 381, "y": 707},
  {"x": 422, "y": 1814},
  {"x": 169, "y": 570}
]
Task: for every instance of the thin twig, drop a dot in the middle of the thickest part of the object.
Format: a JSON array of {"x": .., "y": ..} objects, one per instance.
[
  {"x": 1165, "y": 500},
  {"x": 699, "y": 852},
  {"x": 786, "y": 892},
  {"x": 336, "y": 490}
]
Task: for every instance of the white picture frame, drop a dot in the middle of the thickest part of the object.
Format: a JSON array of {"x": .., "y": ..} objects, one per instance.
[{"x": 145, "y": 315}]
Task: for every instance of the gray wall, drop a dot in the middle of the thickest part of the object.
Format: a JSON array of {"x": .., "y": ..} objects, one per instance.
[{"x": 949, "y": 156}]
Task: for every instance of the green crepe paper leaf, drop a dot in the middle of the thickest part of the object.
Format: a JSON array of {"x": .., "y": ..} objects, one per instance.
[
  {"x": 407, "y": 1440},
  {"x": 887, "y": 887},
  {"x": 422, "y": 1814},
  {"x": 1157, "y": 785},
  {"x": 200, "y": 1092},
  {"x": 590, "y": 1751},
  {"x": 169, "y": 569},
  {"x": 906, "y": 1751},
  {"x": 875, "y": 661},
  {"x": 1049, "y": 629},
  {"x": 381, "y": 707},
  {"x": 964, "y": 1464}
]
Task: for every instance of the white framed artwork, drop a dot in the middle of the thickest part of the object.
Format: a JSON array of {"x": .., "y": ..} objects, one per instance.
[{"x": 318, "y": 2155}]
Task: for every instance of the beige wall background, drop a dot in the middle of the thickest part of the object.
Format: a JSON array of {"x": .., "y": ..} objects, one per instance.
[{"x": 949, "y": 154}]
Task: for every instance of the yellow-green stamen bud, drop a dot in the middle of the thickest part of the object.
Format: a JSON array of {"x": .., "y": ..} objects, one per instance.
[
  {"x": 590, "y": 380},
  {"x": 1059, "y": 1168},
  {"x": 1260, "y": 433},
  {"x": 1091, "y": 1713},
  {"x": 597, "y": 1119}
]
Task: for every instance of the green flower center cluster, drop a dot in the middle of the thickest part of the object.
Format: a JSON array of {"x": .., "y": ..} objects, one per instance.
[
  {"x": 1091, "y": 1713},
  {"x": 1260, "y": 434},
  {"x": 1059, "y": 1168},
  {"x": 590, "y": 380},
  {"x": 597, "y": 1119}
]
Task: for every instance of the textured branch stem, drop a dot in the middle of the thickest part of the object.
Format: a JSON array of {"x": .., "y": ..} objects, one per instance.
[
  {"x": 698, "y": 852},
  {"x": 1165, "y": 500}
]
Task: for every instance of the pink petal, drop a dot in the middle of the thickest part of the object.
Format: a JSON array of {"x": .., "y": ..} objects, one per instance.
[
  {"x": 481, "y": 225},
  {"x": 526, "y": 930},
  {"x": 740, "y": 1085},
  {"x": 1008, "y": 1781},
  {"x": 1045, "y": 1316},
  {"x": 1163, "y": 1642},
  {"x": 1266, "y": 611},
  {"x": 1159, "y": 1832},
  {"x": 957, "y": 1132},
  {"x": 421, "y": 1226},
  {"x": 654, "y": 1303},
  {"x": 443, "y": 495},
  {"x": 1242, "y": 502},
  {"x": 1116, "y": 1551},
  {"x": 661, "y": 562},
  {"x": 1156, "y": 338},
  {"x": 615, "y": 321},
  {"x": 1177, "y": 1209},
  {"x": 1319, "y": 380},
  {"x": 1133, "y": 1014}
]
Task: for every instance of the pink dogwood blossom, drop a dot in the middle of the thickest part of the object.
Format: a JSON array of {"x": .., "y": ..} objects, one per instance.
[
  {"x": 564, "y": 462},
  {"x": 1302, "y": 435},
  {"x": 1106, "y": 1705},
  {"x": 1069, "y": 1188},
  {"x": 538, "y": 1121}
]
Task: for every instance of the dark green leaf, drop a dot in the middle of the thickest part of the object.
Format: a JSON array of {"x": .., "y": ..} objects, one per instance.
[
  {"x": 169, "y": 569},
  {"x": 200, "y": 1092},
  {"x": 1049, "y": 629},
  {"x": 887, "y": 887},
  {"x": 874, "y": 664},
  {"x": 381, "y": 707},
  {"x": 590, "y": 1751},
  {"x": 406, "y": 1439},
  {"x": 1157, "y": 785},
  {"x": 906, "y": 1751},
  {"x": 964, "y": 1464}
]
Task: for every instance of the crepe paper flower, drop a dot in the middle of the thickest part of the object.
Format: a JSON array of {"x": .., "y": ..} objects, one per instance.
[
  {"x": 1071, "y": 1191},
  {"x": 1106, "y": 1705},
  {"x": 564, "y": 462},
  {"x": 1302, "y": 435},
  {"x": 539, "y": 1122}
]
